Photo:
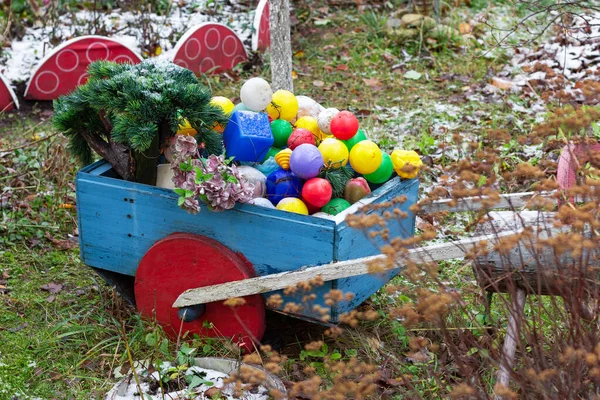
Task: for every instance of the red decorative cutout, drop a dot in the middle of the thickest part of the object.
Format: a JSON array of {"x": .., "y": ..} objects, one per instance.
[
  {"x": 261, "y": 37},
  {"x": 184, "y": 261},
  {"x": 61, "y": 71},
  {"x": 8, "y": 99},
  {"x": 209, "y": 48}
]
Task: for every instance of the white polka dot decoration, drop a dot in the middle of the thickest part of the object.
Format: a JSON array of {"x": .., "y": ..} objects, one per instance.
[
  {"x": 209, "y": 48},
  {"x": 65, "y": 67}
]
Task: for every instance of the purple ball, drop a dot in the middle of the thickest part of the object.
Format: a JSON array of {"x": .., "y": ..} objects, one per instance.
[{"x": 306, "y": 161}]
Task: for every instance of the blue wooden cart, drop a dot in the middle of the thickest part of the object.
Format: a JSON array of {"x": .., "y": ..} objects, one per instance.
[{"x": 137, "y": 238}]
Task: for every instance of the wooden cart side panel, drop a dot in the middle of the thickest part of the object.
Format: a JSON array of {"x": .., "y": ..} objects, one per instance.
[
  {"x": 354, "y": 243},
  {"x": 120, "y": 221}
]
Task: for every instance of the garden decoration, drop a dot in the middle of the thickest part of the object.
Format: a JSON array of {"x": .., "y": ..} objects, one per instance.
[
  {"x": 66, "y": 66},
  {"x": 209, "y": 48},
  {"x": 261, "y": 37},
  {"x": 8, "y": 98},
  {"x": 128, "y": 114}
]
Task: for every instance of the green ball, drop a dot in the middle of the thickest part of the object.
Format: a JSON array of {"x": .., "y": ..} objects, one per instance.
[
  {"x": 271, "y": 153},
  {"x": 335, "y": 206},
  {"x": 281, "y": 132},
  {"x": 358, "y": 136},
  {"x": 384, "y": 172}
]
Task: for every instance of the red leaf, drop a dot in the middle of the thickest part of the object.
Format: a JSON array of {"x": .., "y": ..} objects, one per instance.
[{"x": 342, "y": 67}]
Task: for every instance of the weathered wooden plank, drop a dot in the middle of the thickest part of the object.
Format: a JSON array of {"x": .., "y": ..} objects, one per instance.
[
  {"x": 329, "y": 272},
  {"x": 513, "y": 201}
]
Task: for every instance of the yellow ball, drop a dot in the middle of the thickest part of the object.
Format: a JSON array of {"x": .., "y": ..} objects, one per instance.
[
  {"x": 283, "y": 105},
  {"x": 406, "y": 163},
  {"x": 224, "y": 104},
  {"x": 311, "y": 124},
  {"x": 365, "y": 157},
  {"x": 334, "y": 152},
  {"x": 292, "y": 204}
]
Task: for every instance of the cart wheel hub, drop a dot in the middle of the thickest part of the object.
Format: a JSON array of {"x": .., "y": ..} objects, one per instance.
[{"x": 191, "y": 313}]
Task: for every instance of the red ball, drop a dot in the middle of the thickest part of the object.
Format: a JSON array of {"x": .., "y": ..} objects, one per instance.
[
  {"x": 317, "y": 192},
  {"x": 344, "y": 125},
  {"x": 300, "y": 136}
]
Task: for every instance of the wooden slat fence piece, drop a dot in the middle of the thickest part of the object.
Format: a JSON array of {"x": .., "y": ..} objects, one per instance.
[
  {"x": 506, "y": 201},
  {"x": 328, "y": 272}
]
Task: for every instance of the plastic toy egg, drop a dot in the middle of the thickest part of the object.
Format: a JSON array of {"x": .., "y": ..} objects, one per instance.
[
  {"x": 356, "y": 189},
  {"x": 283, "y": 158},
  {"x": 335, "y": 153},
  {"x": 335, "y": 206},
  {"x": 306, "y": 161},
  {"x": 283, "y": 105},
  {"x": 261, "y": 201},
  {"x": 406, "y": 163},
  {"x": 282, "y": 184},
  {"x": 365, "y": 157},
  {"x": 343, "y": 125},
  {"x": 281, "y": 130},
  {"x": 307, "y": 107},
  {"x": 256, "y": 178},
  {"x": 294, "y": 205},
  {"x": 300, "y": 136},
  {"x": 324, "y": 119},
  {"x": 317, "y": 192},
  {"x": 256, "y": 94},
  {"x": 358, "y": 137},
  {"x": 310, "y": 124},
  {"x": 384, "y": 172}
]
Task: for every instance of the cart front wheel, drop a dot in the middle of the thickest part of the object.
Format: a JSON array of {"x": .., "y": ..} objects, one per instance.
[{"x": 183, "y": 261}]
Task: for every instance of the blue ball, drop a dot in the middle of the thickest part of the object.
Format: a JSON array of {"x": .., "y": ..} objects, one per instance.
[{"x": 281, "y": 184}]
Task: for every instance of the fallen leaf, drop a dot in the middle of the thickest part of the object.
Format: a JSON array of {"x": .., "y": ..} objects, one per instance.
[
  {"x": 50, "y": 298},
  {"x": 502, "y": 83},
  {"x": 61, "y": 244},
  {"x": 19, "y": 328},
  {"x": 321, "y": 22},
  {"x": 294, "y": 76},
  {"x": 5, "y": 275},
  {"x": 318, "y": 83},
  {"x": 414, "y": 75},
  {"x": 373, "y": 83},
  {"x": 342, "y": 67},
  {"x": 299, "y": 54},
  {"x": 465, "y": 28},
  {"x": 213, "y": 393},
  {"x": 52, "y": 287}
]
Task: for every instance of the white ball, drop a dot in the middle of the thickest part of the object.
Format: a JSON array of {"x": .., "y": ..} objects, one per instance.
[
  {"x": 255, "y": 177},
  {"x": 256, "y": 94},
  {"x": 307, "y": 107},
  {"x": 324, "y": 119},
  {"x": 262, "y": 202}
]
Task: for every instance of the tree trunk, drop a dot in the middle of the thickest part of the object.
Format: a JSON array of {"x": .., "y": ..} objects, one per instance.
[{"x": 281, "y": 45}]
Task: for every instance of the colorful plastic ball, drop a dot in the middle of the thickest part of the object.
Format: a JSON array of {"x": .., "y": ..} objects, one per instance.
[
  {"x": 240, "y": 107},
  {"x": 256, "y": 178},
  {"x": 365, "y": 157},
  {"x": 307, "y": 107},
  {"x": 262, "y": 202},
  {"x": 384, "y": 172},
  {"x": 272, "y": 152},
  {"x": 256, "y": 94},
  {"x": 309, "y": 123},
  {"x": 306, "y": 161},
  {"x": 406, "y": 163},
  {"x": 281, "y": 130},
  {"x": 344, "y": 125},
  {"x": 283, "y": 105},
  {"x": 223, "y": 103},
  {"x": 282, "y": 184},
  {"x": 294, "y": 205},
  {"x": 300, "y": 136},
  {"x": 324, "y": 119},
  {"x": 317, "y": 192},
  {"x": 335, "y": 206},
  {"x": 311, "y": 209},
  {"x": 358, "y": 137},
  {"x": 356, "y": 189},
  {"x": 335, "y": 153}
]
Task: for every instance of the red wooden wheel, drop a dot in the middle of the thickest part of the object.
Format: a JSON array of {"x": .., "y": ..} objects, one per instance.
[{"x": 183, "y": 261}]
